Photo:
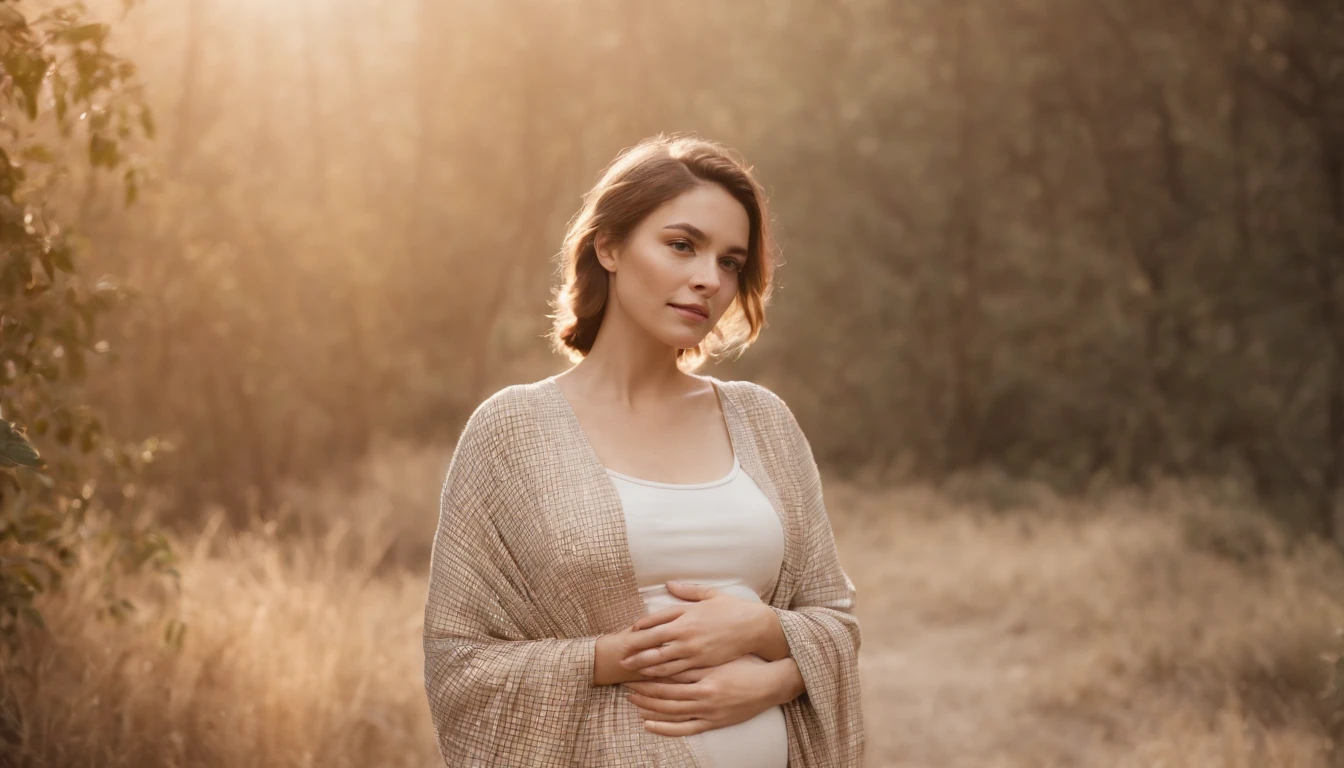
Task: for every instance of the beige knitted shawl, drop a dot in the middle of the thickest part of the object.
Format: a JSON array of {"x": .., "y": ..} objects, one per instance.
[{"x": 530, "y": 564}]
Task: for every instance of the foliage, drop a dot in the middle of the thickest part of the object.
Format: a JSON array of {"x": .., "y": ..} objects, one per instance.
[{"x": 60, "y": 88}]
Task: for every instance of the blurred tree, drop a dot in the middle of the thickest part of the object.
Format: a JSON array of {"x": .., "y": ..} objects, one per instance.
[
  {"x": 1083, "y": 244},
  {"x": 60, "y": 89},
  {"x": 1291, "y": 52}
]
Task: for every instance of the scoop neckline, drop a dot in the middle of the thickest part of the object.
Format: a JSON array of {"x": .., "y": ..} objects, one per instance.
[
  {"x": 551, "y": 383},
  {"x": 737, "y": 467}
]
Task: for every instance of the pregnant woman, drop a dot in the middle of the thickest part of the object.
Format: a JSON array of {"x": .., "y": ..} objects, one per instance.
[{"x": 633, "y": 564}]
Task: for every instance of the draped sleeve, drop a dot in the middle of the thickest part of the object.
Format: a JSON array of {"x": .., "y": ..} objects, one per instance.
[
  {"x": 497, "y": 696},
  {"x": 819, "y": 623}
]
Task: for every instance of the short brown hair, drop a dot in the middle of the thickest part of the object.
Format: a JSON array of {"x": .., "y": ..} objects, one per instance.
[{"x": 639, "y": 180}]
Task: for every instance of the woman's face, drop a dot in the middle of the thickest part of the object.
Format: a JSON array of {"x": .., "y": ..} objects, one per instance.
[{"x": 677, "y": 273}]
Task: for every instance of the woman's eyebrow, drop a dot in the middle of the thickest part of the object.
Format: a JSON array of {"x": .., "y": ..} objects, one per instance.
[
  {"x": 697, "y": 234},
  {"x": 690, "y": 229}
]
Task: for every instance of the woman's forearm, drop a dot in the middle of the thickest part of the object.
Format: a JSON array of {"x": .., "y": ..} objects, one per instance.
[
  {"x": 607, "y": 669},
  {"x": 790, "y": 681},
  {"x": 606, "y": 662},
  {"x": 770, "y": 643}
]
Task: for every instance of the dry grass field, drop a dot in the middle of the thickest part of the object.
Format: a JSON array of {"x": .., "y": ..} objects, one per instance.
[{"x": 1163, "y": 629}]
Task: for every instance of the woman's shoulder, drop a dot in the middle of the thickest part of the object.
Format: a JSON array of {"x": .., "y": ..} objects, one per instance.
[
  {"x": 771, "y": 418},
  {"x": 762, "y": 405},
  {"x": 506, "y": 402},
  {"x": 505, "y": 414}
]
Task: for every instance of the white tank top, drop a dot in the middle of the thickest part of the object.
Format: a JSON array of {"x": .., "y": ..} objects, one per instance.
[{"x": 724, "y": 534}]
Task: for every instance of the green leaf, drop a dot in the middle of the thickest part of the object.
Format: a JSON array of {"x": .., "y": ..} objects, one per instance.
[
  {"x": 121, "y": 608},
  {"x": 84, "y": 33},
  {"x": 174, "y": 632},
  {"x": 147, "y": 122},
  {"x": 11, "y": 19},
  {"x": 10, "y": 176},
  {"x": 37, "y": 574},
  {"x": 28, "y": 71},
  {"x": 23, "y": 270},
  {"x": 33, "y": 616},
  {"x": 58, "y": 91},
  {"x": 61, "y": 256},
  {"x": 103, "y": 152},
  {"x": 105, "y": 295},
  {"x": 26, "y": 576},
  {"x": 132, "y": 186},
  {"x": 15, "y": 450},
  {"x": 91, "y": 437},
  {"x": 74, "y": 364},
  {"x": 39, "y": 153}
]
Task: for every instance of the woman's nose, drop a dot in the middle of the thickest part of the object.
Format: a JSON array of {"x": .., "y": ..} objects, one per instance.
[{"x": 706, "y": 274}]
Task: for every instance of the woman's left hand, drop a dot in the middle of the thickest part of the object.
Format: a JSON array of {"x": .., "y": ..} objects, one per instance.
[{"x": 713, "y": 629}]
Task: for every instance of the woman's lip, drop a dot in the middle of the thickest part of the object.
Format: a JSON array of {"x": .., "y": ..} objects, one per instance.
[{"x": 688, "y": 312}]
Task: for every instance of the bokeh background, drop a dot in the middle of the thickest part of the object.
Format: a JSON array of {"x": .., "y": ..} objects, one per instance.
[{"x": 1061, "y": 310}]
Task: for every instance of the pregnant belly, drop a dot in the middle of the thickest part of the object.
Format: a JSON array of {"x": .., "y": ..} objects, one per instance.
[
  {"x": 762, "y": 741},
  {"x": 656, "y": 597}
]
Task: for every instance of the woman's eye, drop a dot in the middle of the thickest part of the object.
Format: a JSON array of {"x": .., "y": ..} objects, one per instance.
[
  {"x": 730, "y": 264},
  {"x": 676, "y": 243}
]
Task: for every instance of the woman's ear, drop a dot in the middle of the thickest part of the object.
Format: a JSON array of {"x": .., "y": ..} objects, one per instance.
[{"x": 605, "y": 254}]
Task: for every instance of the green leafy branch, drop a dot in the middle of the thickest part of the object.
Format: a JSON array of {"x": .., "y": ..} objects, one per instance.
[{"x": 61, "y": 87}]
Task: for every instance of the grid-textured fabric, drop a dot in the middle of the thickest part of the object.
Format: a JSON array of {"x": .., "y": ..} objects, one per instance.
[{"x": 531, "y": 564}]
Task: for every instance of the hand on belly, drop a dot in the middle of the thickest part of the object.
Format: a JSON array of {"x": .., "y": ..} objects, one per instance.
[
  {"x": 703, "y": 699},
  {"x": 711, "y": 627}
]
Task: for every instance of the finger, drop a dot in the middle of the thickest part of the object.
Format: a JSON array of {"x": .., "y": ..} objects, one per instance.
[
  {"x": 674, "y": 691},
  {"x": 649, "y": 714},
  {"x": 666, "y": 706},
  {"x": 689, "y": 676},
  {"x": 668, "y": 668},
  {"x": 652, "y": 637},
  {"x": 660, "y": 655},
  {"x": 661, "y": 617},
  {"x": 686, "y": 728}
]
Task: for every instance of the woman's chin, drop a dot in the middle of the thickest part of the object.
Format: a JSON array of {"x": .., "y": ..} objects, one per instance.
[{"x": 684, "y": 341}]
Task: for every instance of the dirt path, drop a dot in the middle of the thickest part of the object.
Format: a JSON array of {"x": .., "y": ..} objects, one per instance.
[
  {"x": 951, "y": 664},
  {"x": 954, "y": 696},
  {"x": 1097, "y": 640}
]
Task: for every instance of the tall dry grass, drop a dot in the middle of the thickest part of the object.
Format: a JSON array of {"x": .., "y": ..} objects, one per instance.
[
  {"x": 302, "y": 646},
  {"x": 1163, "y": 629}
]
